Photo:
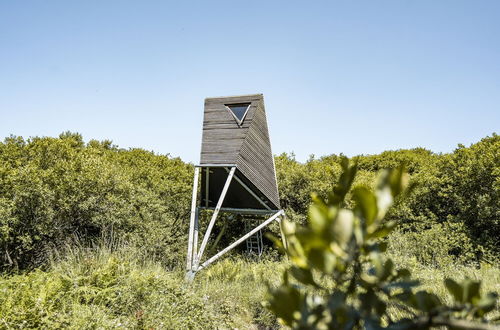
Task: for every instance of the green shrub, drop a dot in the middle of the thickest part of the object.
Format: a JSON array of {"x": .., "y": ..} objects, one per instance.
[
  {"x": 462, "y": 188},
  {"x": 441, "y": 245},
  {"x": 340, "y": 277},
  {"x": 55, "y": 189},
  {"x": 97, "y": 288}
]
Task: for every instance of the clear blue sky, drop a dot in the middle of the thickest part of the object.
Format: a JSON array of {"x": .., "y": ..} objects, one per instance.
[{"x": 337, "y": 76}]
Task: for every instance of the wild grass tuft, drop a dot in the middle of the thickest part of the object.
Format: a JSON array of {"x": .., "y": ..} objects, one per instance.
[{"x": 100, "y": 288}]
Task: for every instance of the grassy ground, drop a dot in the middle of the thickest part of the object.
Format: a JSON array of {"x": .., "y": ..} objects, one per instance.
[
  {"x": 90, "y": 289},
  {"x": 97, "y": 288},
  {"x": 431, "y": 278}
]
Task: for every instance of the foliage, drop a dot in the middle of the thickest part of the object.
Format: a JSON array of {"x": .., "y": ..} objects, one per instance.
[
  {"x": 55, "y": 189},
  {"x": 473, "y": 176},
  {"x": 103, "y": 289},
  {"x": 342, "y": 247},
  {"x": 61, "y": 195},
  {"x": 115, "y": 285},
  {"x": 440, "y": 245},
  {"x": 52, "y": 189},
  {"x": 455, "y": 193},
  {"x": 230, "y": 290}
]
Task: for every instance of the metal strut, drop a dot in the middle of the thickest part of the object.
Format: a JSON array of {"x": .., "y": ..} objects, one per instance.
[{"x": 194, "y": 256}]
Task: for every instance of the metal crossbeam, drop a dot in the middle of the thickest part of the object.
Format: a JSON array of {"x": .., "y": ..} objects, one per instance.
[
  {"x": 242, "y": 211},
  {"x": 216, "y": 165}
]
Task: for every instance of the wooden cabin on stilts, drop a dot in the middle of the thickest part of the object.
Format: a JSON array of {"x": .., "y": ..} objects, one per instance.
[{"x": 236, "y": 175}]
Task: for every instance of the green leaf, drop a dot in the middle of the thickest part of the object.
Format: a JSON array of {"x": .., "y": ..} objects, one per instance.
[
  {"x": 376, "y": 247},
  {"x": 310, "y": 239},
  {"x": 303, "y": 275},
  {"x": 342, "y": 226},
  {"x": 277, "y": 242},
  {"x": 288, "y": 227},
  {"x": 378, "y": 266},
  {"x": 471, "y": 290},
  {"x": 383, "y": 230},
  {"x": 403, "y": 273},
  {"x": 384, "y": 195},
  {"x": 455, "y": 289},
  {"x": 366, "y": 204},
  {"x": 284, "y": 302},
  {"x": 318, "y": 217},
  {"x": 322, "y": 259},
  {"x": 425, "y": 301},
  {"x": 344, "y": 184},
  {"x": 486, "y": 304},
  {"x": 382, "y": 246},
  {"x": 388, "y": 267}
]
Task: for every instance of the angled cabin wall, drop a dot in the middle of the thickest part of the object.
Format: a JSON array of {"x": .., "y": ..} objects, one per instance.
[
  {"x": 247, "y": 146},
  {"x": 255, "y": 159}
]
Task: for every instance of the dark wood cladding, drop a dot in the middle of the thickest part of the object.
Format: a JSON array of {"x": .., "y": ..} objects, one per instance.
[{"x": 248, "y": 146}]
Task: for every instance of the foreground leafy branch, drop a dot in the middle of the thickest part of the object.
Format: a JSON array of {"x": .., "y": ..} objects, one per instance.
[{"x": 341, "y": 279}]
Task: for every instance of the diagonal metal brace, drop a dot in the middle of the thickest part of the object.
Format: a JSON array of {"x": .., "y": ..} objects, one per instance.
[
  {"x": 240, "y": 240},
  {"x": 214, "y": 217}
]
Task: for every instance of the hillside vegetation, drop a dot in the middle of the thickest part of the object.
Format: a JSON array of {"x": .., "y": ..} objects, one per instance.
[{"x": 90, "y": 232}]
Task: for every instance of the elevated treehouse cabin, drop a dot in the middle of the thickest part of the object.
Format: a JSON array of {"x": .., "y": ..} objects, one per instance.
[{"x": 237, "y": 171}]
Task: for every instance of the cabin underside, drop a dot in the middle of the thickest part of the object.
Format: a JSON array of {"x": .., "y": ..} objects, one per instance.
[{"x": 241, "y": 196}]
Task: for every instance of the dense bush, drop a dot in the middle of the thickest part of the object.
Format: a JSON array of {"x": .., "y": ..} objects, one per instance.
[
  {"x": 457, "y": 191},
  {"x": 55, "y": 189},
  {"x": 441, "y": 245}
]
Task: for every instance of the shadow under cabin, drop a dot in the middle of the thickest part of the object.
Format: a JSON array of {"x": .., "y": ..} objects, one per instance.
[{"x": 236, "y": 175}]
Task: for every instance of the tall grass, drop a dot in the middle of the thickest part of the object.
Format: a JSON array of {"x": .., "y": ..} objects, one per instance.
[
  {"x": 431, "y": 277},
  {"x": 243, "y": 283},
  {"x": 112, "y": 285},
  {"x": 100, "y": 288}
]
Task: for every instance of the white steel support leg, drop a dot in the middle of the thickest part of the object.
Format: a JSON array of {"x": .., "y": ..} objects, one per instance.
[
  {"x": 192, "y": 220},
  {"x": 214, "y": 216},
  {"x": 240, "y": 240},
  {"x": 196, "y": 230}
]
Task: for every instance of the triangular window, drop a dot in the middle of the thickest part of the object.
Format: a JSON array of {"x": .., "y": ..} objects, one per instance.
[{"x": 239, "y": 111}]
